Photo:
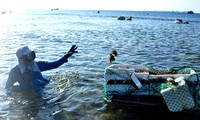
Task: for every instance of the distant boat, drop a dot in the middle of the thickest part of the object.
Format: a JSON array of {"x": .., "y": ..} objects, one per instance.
[
  {"x": 190, "y": 12},
  {"x": 121, "y": 18},
  {"x": 124, "y": 18},
  {"x": 180, "y": 21},
  {"x": 3, "y": 12},
  {"x": 54, "y": 9}
]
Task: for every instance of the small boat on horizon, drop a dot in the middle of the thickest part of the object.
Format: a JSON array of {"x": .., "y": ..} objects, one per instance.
[
  {"x": 180, "y": 21},
  {"x": 190, "y": 12},
  {"x": 124, "y": 18},
  {"x": 3, "y": 12},
  {"x": 121, "y": 18},
  {"x": 54, "y": 9}
]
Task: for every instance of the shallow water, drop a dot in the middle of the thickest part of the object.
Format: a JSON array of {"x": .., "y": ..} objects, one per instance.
[{"x": 76, "y": 90}]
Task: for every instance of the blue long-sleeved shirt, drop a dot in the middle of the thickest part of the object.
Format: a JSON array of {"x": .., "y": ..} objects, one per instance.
[{"x": 30, "y": 79}]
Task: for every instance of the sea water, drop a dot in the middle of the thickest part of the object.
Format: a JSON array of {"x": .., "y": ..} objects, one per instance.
[{"x": 76, "y": 88}]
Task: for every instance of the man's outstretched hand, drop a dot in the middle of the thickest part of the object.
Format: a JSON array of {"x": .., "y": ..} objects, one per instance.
[{"x": 71, "y": 51}]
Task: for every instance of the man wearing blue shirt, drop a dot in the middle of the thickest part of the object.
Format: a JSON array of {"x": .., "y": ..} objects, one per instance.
[{"x": 28, "y": 72}]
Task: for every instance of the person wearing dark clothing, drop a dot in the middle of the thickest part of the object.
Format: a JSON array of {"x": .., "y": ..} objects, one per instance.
[{"x": 28, "y": 72}]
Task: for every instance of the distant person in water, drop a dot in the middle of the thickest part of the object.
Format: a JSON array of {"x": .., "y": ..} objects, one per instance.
[
  {"x": 113, "y": 54},
  {"x": 28, "y": 72}
]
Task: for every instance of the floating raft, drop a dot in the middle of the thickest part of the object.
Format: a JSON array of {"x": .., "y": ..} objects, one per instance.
[{"x": 174, "y": 87}]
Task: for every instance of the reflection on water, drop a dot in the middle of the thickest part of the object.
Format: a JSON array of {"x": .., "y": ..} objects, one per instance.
[
  {"x": 29, "y": 104},
  {"x": 153, "y": 39}
]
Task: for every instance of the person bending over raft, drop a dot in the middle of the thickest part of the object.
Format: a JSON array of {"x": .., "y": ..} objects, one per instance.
[{"x": 28, "y": 72}]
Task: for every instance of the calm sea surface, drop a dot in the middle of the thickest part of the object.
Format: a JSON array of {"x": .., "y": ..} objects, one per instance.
[{"x": 76, "y": 88}]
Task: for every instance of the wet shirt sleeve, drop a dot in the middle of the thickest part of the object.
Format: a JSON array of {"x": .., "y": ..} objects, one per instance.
[{"x": 43, "y": 66}]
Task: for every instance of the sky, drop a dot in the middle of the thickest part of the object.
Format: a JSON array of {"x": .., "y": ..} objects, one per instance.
[{"x": 134, "y": 5}]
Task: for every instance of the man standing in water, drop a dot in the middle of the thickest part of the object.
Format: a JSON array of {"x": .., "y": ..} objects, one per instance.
[{"x": 28, "y": 72}]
